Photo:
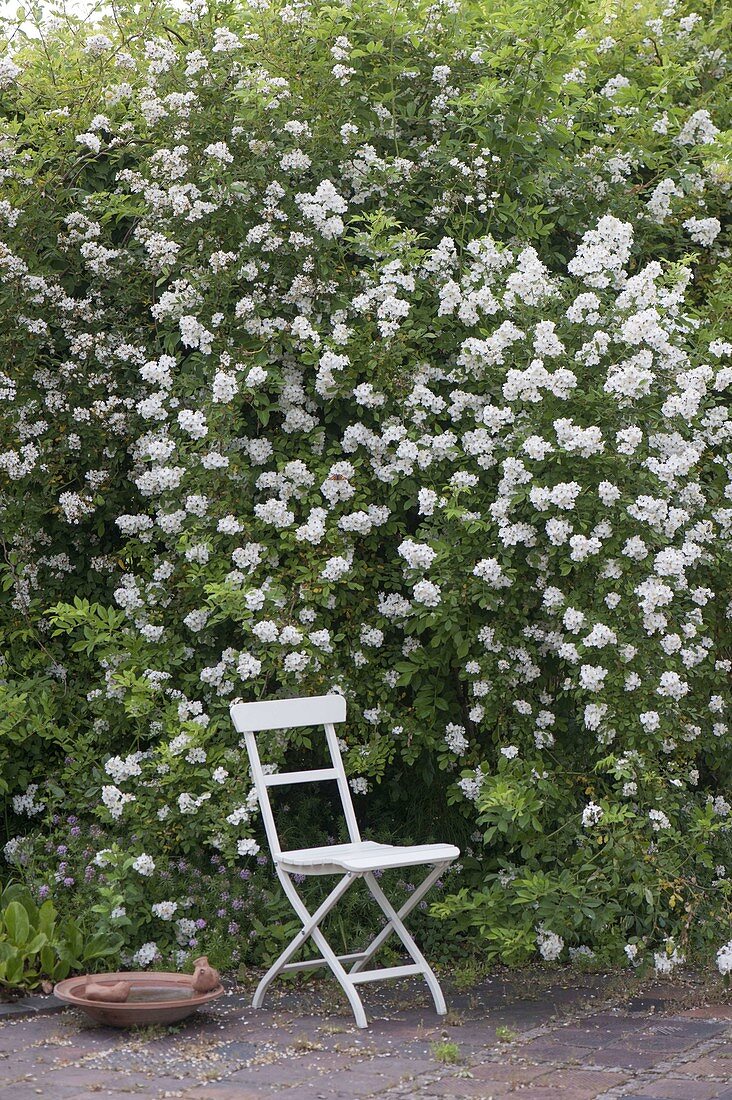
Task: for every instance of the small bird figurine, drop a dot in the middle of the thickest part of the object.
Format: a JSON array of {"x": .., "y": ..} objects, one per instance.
[
  {"x": 205, "y": 978},
  {"x": 114, "y": 992}
]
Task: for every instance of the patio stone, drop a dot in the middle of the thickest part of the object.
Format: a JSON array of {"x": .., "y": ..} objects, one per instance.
[
  {"x": 510, "y": 1074},
  {"x": 464, "y": 1087},
  {"x": 544, "y": 1092},
  {"x": 553, "y": 1048},
  {"x": 697, "y": 1029},
  {"x": 709, "y": 1065},
  {"x": 222, "y": 1090},
  {"x": 671, "y": 1089},
  {"x": 21, "y": 1092},
  {"x": 709, "y": 1012},
  {"x": 599, "y": 1079},
  {"x": 9, "y": 1009},
  {"x": 627, "y": 1056}
]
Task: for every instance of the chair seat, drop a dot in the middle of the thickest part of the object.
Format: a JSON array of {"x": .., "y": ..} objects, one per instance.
[{"x": 365, "y": 856}]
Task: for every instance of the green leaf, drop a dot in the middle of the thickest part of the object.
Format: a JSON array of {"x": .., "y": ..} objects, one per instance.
[
  {"x": 71, "y": 943},
  {"x": 17, "y": 923},
  {"x": 101, "y": 945},
  {"x": 36, "y": 944},
  {"x": 61, "y": 970},
  {"x": 47, "y": 918},
  {"x": 48, "y": 959},
  {"x": 14, "y": 970}
]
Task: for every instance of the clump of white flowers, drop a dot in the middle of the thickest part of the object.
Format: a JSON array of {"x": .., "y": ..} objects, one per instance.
[
  {"x": 166, "y": 910},
  {"x": 146, "y": 954},
  {"x": 144, "y": 865},
  {"x": 591, "y": 815},
  {"x": 724, "y": 959},
  {"x": 455, "y": 738},
  {"x": 550, "y": 944},
  {"x": 666, "y": 961}
]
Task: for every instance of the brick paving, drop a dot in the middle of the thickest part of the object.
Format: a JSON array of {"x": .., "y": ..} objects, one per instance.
[{"x": 537, "y": 1036}]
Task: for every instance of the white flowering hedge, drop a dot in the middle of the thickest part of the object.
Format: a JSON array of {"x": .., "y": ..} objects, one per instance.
[{"x": 381, "y": 351}]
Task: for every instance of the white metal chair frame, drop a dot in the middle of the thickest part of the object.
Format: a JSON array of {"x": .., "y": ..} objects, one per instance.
[{"x": 354, "y": 861}]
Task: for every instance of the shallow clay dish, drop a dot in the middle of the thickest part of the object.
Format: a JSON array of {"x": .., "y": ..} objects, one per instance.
[{"x": 157, "y": 997}]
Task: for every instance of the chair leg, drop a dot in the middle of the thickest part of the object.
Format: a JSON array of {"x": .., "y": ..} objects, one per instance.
[
  {"x": 395, "y": 924},
  {"x": 414, "y": 898},
  {"x": 310, "y": 929}
]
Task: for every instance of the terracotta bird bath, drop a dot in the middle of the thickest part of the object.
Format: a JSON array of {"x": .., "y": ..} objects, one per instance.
[{"x": 135, "y": 999}]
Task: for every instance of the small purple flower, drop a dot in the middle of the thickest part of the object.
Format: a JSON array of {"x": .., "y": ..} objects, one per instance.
[
  {"x": 75, "y": 831},
  {"x": 237, "y": 903},
  {"x": 193, "y": 942},
  {"x": 216, "y": 860},
  {"x": 220, "y": 912},
  {"x": 43, "y": 891},
  {"x": 245, "y": 874},
  {"x": 233, "y": 928},
  {"x": 299, "y": 879},
  {"x": 61, "y": 850},
  {"x": 69, "y": 881},
  {"x": 262, "y": 860},
  {"x": 200, "y": 923},
  {"x": 72, "y": 819},
  {"x": 62, "y": 866},
  {"x": 89, "y": 873}
]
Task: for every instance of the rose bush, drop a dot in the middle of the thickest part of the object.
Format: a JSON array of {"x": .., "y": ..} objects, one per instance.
[{"x": 380, "y": 351}]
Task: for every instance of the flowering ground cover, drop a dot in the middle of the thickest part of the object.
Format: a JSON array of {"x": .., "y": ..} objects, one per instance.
[{"x": 384, "y": 350}]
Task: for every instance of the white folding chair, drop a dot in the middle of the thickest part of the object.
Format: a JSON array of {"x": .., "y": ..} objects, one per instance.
[{"x": 354, "y": 861}]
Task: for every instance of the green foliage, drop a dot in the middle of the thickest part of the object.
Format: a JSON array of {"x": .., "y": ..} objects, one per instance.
[
  {"x": 615, "y": 885},
  {"x": 446, "y": 1052},
  {"x": 506, "y": 1034},
  {"x": 35, "y": 946}
]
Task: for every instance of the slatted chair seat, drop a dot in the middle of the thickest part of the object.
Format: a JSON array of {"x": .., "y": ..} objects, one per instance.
[
  {"x": 353, "y": 862},
  {"x": 366, "y": 856}
]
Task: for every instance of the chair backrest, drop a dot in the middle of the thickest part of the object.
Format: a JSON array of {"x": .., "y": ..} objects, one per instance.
[{"x": 277, "y": 714}]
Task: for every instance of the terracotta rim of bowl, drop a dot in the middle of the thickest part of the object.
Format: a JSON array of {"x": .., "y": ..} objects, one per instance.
[{"x": 70, "y": 990}]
